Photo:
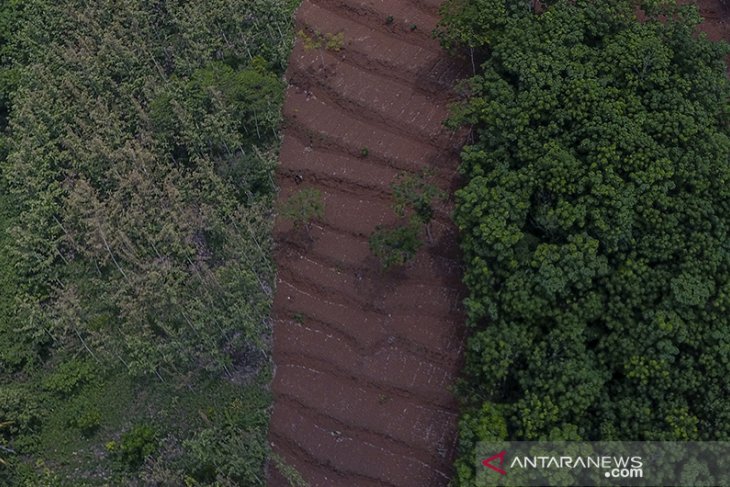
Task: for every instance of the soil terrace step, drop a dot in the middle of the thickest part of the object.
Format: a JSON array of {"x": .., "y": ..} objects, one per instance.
[
  {"x": 406, "y": 372},
  {"x": 426, "y": 268},
  {"x": 367, "y": 458},
  {"x": 383, "y": 100},
  {"x": 354, "y": 171},
  {"x": 405, "y": 421},
  {"x": 426, "y": 68},
  {"x": 328, "y": 124},
  {"x": 397, "y": 18},
  {"x": 316, "y": 471},
  {"x": 414, "y": 298},
  {"x": 418, "y": 331}
]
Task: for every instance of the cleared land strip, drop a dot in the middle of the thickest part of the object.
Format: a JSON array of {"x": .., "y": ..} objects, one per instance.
[{"x": 365, "y": 360}]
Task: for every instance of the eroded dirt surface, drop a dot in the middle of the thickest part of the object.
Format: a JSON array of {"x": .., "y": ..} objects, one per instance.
[{"x": 365, "y": 359}]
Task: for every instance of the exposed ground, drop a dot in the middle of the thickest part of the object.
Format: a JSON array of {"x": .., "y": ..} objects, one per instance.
[
  {"x": 365, "y": 359},
  {"x": 717, "y": 18}
]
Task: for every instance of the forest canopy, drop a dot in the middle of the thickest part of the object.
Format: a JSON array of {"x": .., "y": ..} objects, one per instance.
[
  {"x": 137, "y": 156},
  {"x": 594, "y": 218}
]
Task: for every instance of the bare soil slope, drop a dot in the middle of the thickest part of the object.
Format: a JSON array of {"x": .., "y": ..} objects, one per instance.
[{"x": 365, "y": 360}]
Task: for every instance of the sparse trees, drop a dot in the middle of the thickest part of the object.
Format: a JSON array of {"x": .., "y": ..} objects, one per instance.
[{"x": 414, "y": 196}]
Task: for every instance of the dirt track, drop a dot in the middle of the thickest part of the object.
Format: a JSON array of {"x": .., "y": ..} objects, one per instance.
[{"x": 365, "y": 359}]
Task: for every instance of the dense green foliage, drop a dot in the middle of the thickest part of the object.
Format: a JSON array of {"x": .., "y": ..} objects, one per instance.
[
  {"x": 595, "y": 221},
  {"x": 135, "y": 214}
]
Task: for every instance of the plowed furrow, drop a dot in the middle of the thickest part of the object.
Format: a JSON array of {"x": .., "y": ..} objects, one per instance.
[
  {"x": 382, "y": 102},
  {"x": 438, "y": 263},
  {"x": 398, "y": 382},
  {"x": 421, "y": 299},
  {"x": 342, "y": 202},
  {"x": 374, "y": 418},
  {"x": 360, "y": 137},
  {"x": 354, "y": 171},
  {"x": 355, "y": 457},
  {"x": 428, "y": 6},
  {"x": 316, "y": 470},
  {"x": 439, "y": 350},
  {"x": 322, "y": 336},
  {"x": 425, "y": 68},
  {"x": 324, "y": 143},
  {"x": 430, "y": 270},
  {"x": 374, "y": 15}
]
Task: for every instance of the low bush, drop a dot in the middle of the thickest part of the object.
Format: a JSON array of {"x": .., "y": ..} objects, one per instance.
[
  {"x": 135, "y": 446},
  {"x": 397, "y": 245},
  {"x": 68, "y": 377},
  {"x": 303, "y": 208},
  {"x": 20, "y": 414}
]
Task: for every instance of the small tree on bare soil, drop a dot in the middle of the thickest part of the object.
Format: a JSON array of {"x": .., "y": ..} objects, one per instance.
[
  {"x": 303, "y": 207},
  {"x": 396, "y": 245},
  {"x": 414, "y": 196}
]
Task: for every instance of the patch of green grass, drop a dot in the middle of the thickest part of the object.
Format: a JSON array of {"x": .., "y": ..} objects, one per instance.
[{"x": 133, "y": 425}]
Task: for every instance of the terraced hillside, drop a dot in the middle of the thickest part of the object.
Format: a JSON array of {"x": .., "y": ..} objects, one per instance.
[{"x": 365, "y": 359}]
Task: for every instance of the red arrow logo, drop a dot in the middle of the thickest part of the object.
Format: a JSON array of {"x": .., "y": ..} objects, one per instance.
[{"x": 488, "y": 462}]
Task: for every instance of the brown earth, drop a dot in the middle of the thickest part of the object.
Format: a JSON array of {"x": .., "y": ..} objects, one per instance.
[
  {"x": 717, "y": 18},
  {"x": 365, "y": 359}
]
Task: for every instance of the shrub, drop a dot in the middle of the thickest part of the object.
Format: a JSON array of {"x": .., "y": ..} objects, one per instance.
[
  {"x": 415, "y": 195},
  {"x": 86, "y": 418},
  {"x": 303, "y": 207},
  {"x": 232, "y": 449},
  {"x": 318, "y": 40},
  {"x": 228, "y": 456},
  {"x": 134, "y": 446},
  {"x": 20, "y": 414},
  {"x": 396, "y": 246},
  {"x": 68, "y": 377}
]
